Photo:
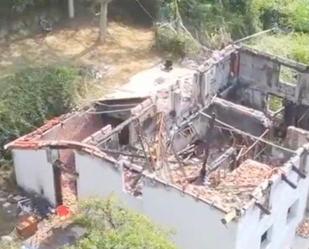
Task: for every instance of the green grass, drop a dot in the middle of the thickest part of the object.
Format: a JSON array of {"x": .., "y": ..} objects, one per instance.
[{"x": 294, "y": 46}]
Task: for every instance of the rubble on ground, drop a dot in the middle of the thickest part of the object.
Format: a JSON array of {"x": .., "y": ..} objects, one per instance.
[{"x": 303, "y": 229}]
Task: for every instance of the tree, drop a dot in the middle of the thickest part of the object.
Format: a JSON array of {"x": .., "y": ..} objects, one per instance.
[
  {"x": 71, "y": 8},
  {"x": 111, "y": 226},
  {"x": 103, "y": 18}
]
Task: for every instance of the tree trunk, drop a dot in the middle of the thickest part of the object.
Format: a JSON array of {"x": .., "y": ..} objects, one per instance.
[
  {"x": 103, "y": 20},
  {"x": 71, "y": 8}
]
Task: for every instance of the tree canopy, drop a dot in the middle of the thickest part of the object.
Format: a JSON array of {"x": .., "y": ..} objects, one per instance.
[{"x": 110, "y": 226}]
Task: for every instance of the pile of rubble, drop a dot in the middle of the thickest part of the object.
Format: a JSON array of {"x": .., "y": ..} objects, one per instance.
[{"x": 303, "y": 229}]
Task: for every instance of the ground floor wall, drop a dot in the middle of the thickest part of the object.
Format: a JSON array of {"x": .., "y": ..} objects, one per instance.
[
  {"x": 196, "y": 224},
  {"x": 101, "y": 178},
  {"x": 34, "y": 173}
]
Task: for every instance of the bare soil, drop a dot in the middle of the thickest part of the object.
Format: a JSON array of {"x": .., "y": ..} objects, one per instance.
[{"x": 126, "y": 51}]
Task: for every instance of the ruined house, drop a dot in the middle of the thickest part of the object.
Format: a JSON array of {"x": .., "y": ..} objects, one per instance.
[{"x": 203, "y": 152}]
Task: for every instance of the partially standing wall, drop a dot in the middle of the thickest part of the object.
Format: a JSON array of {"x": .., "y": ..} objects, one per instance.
[
  {"x": 34, "y": 172},
  {"x": 194, "y": 223}
]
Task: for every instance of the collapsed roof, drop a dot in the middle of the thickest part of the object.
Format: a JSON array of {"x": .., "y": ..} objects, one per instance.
[{"x": 206, "y": 132}]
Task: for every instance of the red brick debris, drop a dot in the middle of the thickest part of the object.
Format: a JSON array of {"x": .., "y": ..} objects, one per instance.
[
  {"x": 303, "y": 229},
  {"x": 234, "y": 189},
  {"x": 31, "y": 140}
]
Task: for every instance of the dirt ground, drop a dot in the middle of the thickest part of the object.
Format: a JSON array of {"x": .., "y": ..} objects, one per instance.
[{"x": 126, "y": 51}]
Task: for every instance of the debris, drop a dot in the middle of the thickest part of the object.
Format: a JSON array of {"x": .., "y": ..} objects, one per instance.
[
  {"x": 6, "y": 205},
  {"x": 35, "y": 205},
  {"x": 7, "y": 238},
  {"x": 17, "y": 198},
  {"x": 303, "y": 229},
  {"x": 27, "y": 226}
]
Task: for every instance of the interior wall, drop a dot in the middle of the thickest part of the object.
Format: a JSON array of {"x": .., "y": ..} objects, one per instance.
[
  {"x": 296, "y": 137},
  {"x": 241, "y": 117},
  {"x": 258, "y": 71},
  {"x": 76, "y": 128}
]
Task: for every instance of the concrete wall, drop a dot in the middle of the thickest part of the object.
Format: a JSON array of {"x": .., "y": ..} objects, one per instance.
[
  {"x": 256, "y": 70},
  {"x": 252, "y": 121},
  {"x": 34, "y": 173},
  {"x": 296, "y": 137},
  {"x": 197, "y": 225},
  {"x": 101, "y": 178},
  {"x": 304, "y": 88},
  {"x": 281, "y": 228},
  {"x": 261, "y": 72}
]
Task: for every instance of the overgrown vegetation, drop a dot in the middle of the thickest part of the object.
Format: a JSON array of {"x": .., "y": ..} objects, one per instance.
[
  {"x": 294, "y": 46},
  {"x": 32, "y": 96},
  {"x": 217, "y": 23},
  {"x": 10, "y": 244},
  {"x": 111, "y": 226},
  {"x": 177, "y": 43}
]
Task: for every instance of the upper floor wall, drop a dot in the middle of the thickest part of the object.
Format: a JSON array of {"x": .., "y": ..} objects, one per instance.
[{"x": 264, "y": 72}]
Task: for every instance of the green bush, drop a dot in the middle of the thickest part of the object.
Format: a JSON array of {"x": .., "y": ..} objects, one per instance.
[
  {"x": 176, "y": 43},
  {"x": 237, "y": 18},
  {"x": 10, "y": 245},
  {"x": 286, "y": 13},
  {"x": 32, "y": 96},
  {"x": 111, "y": 226}
]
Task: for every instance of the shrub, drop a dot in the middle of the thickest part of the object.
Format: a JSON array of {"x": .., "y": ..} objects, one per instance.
[
  {"x": 176, "y": 43},
  {"x": 109, "y": 226},
  {"x": 32, "y": 96}
]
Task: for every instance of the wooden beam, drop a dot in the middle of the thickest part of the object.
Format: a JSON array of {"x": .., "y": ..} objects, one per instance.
[
  {"x": 249, "y": 135},
  {"x": 291, "y": 184}
]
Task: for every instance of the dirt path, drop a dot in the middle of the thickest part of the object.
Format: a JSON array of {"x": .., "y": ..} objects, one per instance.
[{"x": 127, "y": 51}]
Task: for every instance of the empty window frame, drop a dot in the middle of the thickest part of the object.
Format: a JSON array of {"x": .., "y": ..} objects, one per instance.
[
  {"x": 288, "y": 75},
  {"x": 274, "y": 103},
  {"x": 292, "y": 211},
  {"x": 266, "y": 238}
]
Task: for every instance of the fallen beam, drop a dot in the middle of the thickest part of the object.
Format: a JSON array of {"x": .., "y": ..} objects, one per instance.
[
  {"x": 218, "y": 162},
  {"x": 249, "y": 135},
  {"x": 256, "y": 142},
  {"x": 120, "y": 127}
]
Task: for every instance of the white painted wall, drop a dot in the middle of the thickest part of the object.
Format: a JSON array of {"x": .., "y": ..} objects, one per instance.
[
  {"x": 252, "y": 227},
  {"x": 34, "y": 173},
  {"x": 99, "y": 178},
  {"x": 196, "y": 224}
]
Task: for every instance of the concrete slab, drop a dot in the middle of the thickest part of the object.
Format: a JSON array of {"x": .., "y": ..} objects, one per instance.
[{"x": 148, "y": 82}]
